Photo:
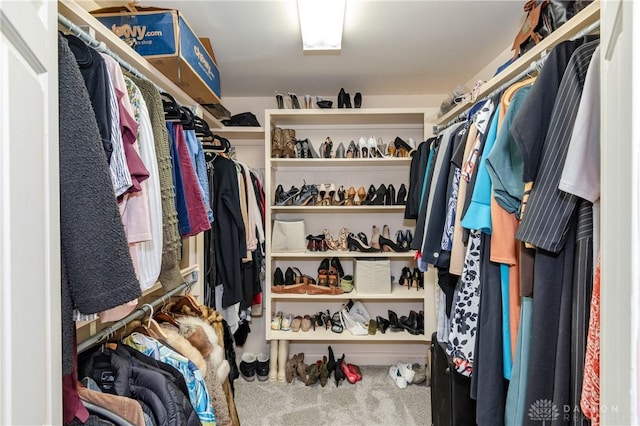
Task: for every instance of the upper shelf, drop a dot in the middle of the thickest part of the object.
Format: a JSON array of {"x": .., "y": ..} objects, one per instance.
[
  {"x": 571, "y": 28},
  {"x": 347, "y": 116},
  {"x": 241, "y": 133},
  {"x": 73, "y": 11},
  {"x": 399, "y": 208}
]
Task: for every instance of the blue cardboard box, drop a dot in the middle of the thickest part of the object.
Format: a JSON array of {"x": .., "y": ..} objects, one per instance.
[{"x": 165, "y": 39}]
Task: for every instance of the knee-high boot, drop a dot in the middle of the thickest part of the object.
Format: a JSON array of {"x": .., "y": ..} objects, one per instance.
[
  {"x": 273, "y": 361},
  {"x": 283, "y": 355}
]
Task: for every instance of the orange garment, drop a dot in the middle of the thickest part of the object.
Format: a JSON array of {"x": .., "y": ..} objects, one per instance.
[
  {"x": 127, "y": 408},
  {"x": 590, "y": 399}
]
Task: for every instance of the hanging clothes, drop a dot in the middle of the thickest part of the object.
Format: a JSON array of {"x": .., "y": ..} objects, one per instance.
[{"x": 170, "y": 276}]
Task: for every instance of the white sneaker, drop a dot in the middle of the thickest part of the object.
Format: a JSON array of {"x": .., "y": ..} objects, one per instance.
[
  {"x": 397, "y": 378},
  {"x": 406, "y": 371},
  {"x": 359, "y": 313}
]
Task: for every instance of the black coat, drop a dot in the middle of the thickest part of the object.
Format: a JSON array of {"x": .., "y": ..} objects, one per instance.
[{"x": 158, "y": 395}]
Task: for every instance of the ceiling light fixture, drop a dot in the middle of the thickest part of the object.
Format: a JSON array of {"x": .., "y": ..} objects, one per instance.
[{"x": 321, "y": 23}]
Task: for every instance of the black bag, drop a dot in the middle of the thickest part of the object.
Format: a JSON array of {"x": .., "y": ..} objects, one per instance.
[
  {"x": 451, "y": 403},
  {"x": 242, "y": 119}
]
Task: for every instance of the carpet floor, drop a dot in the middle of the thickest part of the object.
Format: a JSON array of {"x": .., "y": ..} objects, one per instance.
[{"x": 375, "y": 400}]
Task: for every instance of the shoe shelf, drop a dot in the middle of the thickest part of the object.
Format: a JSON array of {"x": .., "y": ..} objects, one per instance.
[
  {"x": 324, "y": 335},
  {"x": 343, "y": 254},
  {"x": 277, "y": 163},
  {"x": 343, "y": 126},
  {"x": 240, "y": 133},
  {"x": 397, "y": 293},
  {"x": 338, "y": 209}
]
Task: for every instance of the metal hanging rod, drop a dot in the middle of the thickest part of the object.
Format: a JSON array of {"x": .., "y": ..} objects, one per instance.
[
  {"x": 101, "y": 47},
  {"x": 534, "y": 66},
  {"x": 105, "y": 333}
]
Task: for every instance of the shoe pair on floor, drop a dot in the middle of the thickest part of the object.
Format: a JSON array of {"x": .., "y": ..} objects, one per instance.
[
  {"x": 404, "y": 374},
  {"x": 254, "y": 365}
]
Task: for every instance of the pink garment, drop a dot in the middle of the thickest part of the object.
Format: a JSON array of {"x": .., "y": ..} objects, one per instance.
[
  {"x": 119, "y": 312},
  {"x": 198, "y": 219},
  {"x": 590, "y": 398}
]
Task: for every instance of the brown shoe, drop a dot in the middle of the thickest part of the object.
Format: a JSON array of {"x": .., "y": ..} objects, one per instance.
[{"x": 276, "y": 143}]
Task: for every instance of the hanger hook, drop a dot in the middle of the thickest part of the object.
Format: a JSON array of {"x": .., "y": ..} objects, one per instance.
[{"x": 150, "y": 313}]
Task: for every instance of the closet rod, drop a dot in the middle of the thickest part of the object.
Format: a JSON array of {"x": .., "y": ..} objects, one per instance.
[
  {"x": 101, "y": 47},
  {"x": 138, "y": 313},
  {"x": 535, "y": 65}
]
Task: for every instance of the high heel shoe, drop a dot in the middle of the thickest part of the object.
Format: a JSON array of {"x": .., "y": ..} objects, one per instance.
[
  {"x": 363, "y": 147},
  {"x": 338, "y": 372},
  {"x": 279, "y": 100},
  {"x": 331, "y": 361},
  {"x": 348, "y": 373},
  {"x": 405, "y": 277},
  {"x": 379, "y": 196},
  {"x": 328, "y": 148},
  {"x": 356, "y": 245},
  {"x": 362, "y": 196},
  {"x": 351, "y": 195},
  {"x": 306, "y": 195},
  {"x": 322, "y": 192},
  {"x": 351, "y": 150},
  {"x": 340, "y": 152},
  {"x": 375, "y": 237},
  {"x": 371, "y": 193},
  {"x": 391, "y": 195},
  {"x": 340, "y": 198},
  {"x": 355, "y": 370},
  {"x": 372, "y": 146},
  {"x": 341, "y": 98},
  {"x": 357, "y": 100},
  {"x": 331, "y": 243},
  {"x": 307, "y": 102},
  {"x": 295, "y": 104},
  {"x": 389, "y": 245},
  {"x": 288, "y": 197},
  {"x": 402, "y": 148},
  {"x": 342, "y": 239},
  {"x": 402, "y": 195},
  {"x": 278, "y": 194},
  {"x": 331, "y": 193}
]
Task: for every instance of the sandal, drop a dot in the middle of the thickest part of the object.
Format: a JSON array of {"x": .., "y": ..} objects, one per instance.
[
  {"x": 286, "y": 322},
  {"x": 276, "y": 321},
  {"x": 336, "y": 323}
]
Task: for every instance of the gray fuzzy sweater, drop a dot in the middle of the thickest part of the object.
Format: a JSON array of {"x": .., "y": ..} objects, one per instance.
[{"x": 97, "y": 271}]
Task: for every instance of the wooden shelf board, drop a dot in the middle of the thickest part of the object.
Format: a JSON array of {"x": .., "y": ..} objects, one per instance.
[
  {"x": 338, "y": 209},
  {"x": 241, "y": 133},
  {"x": 322, "y": 335},
  {"x": 397, "y": 293},
  {"x": 349, "y": 116},
  {"x": 277, "y": 163},
  {"x": 572, "y": 27},
  {"x": 345, "y": 254}
]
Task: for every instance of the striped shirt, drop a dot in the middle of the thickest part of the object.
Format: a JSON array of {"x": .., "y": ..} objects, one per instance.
[{"x": 546, "y": 221}]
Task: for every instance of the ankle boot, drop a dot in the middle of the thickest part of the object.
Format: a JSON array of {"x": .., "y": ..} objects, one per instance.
[
  {"x": 273, "y": 361},
  {"x": 341, "y": 98},
  {"x": 276, "y": 143},
  {"x": 283, "y": 355},
  {"x": 288, "y": 143}
]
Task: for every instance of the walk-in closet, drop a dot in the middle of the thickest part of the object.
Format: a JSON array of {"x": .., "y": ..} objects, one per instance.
[{"x": 210, "y": 218}]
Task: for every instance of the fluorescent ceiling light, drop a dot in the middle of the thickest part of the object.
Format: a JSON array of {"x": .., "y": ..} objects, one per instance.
[{"x": 321, "y": 23}]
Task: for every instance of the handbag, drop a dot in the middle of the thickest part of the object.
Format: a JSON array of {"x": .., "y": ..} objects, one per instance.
[
  {"x": 542, "y": 18},
  {"x": 288, "y": 236}
]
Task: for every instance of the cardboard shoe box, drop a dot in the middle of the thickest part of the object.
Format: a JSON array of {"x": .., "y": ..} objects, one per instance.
[{"x": 165, "y": 39}]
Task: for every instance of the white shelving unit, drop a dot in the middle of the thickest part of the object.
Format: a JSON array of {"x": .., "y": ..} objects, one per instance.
[{"x": 343, "y": 126}]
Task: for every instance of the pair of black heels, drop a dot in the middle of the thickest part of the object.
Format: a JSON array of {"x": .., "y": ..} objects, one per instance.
[
  {"x": 411, "y": 279},
  {"x": 386, "y": 195},
  {"x": 344, "y": 99}
]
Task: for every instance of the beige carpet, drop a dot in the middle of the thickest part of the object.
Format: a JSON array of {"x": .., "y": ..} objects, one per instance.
[{"x": 373, "y": 401}]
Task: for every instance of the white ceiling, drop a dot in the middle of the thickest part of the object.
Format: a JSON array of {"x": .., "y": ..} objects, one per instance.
[{"x": 389, "y": 47}]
